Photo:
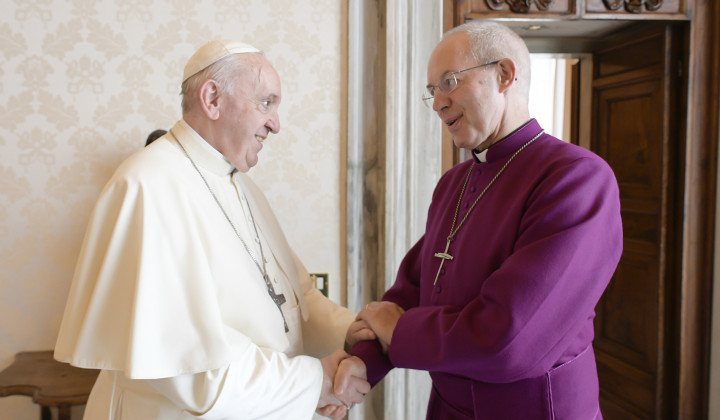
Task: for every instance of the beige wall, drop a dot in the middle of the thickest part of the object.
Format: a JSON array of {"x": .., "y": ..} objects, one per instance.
[{"x": 82, "y": 83}]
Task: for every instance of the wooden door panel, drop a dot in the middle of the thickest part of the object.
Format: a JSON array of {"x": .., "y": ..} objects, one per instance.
[
  {"x": 627, "y": 336},
  {"x": 641, "y": 224},
  {"x": 641, "y": 54},
  {"x": 627, "y": 328},
  {"x": 630, "y": 122},
  {"x": 612, "y": 411},
  {"x": 632, "y": 82},
  {"x": 628, "y": 390}
]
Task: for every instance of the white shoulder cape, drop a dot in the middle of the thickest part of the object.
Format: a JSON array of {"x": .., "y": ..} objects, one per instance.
[{"x": 155, "y": 292}]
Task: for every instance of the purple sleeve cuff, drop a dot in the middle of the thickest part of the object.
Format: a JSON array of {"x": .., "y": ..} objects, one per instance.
[{"x": 377, "y": 363}]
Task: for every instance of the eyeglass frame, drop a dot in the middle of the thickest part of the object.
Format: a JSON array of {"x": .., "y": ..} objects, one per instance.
[{"x": 430, "y": 89}]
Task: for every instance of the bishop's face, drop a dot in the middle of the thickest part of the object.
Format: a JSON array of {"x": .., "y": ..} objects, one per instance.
[
  {"x": 472, "y": 112},
  {"x": 249, "y": 115}
]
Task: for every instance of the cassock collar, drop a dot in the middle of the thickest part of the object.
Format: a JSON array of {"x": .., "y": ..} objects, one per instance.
[
  {"x": 480, "y": 157},
  {"x": 201, "y": 152},
  {"x": 508, "y": 144}
]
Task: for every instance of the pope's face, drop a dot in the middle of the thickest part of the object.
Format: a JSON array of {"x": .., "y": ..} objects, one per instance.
[
  {"x": 249, "y": 115},
  {"x": 472, "y": 111}
]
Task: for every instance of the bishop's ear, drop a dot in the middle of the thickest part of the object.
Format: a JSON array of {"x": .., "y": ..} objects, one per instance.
[
  {"x": 507, "y": 74},
  {"x": 210, "y": 99}
]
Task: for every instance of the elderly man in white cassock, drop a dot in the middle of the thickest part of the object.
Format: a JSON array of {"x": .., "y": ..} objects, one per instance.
[{"x": 186, "y": 294}]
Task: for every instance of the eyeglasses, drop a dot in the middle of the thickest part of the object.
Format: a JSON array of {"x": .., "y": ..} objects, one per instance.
[{"x": 448, "y": 83}]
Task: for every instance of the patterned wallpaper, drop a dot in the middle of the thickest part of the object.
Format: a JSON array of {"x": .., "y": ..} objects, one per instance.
[{"x": 82, "y": 83}]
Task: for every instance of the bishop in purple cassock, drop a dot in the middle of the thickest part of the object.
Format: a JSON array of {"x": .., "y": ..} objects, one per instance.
[{"x": 499, "y": 294}]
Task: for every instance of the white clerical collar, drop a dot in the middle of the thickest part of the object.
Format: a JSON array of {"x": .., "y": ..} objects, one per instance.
[
  {"x": 200, "y": 150},
  {"x": 481, "y": 156}
]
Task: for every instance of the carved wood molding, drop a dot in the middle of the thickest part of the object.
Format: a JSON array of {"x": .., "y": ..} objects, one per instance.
[
  {"x": 519, "y": 6},
  {"x": 633, "y": 6}
]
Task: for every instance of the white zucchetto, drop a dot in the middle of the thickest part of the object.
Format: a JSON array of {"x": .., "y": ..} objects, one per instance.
[{"x": 212, "y": 52}]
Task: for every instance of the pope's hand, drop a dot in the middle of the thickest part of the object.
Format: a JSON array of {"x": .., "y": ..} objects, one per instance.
[
  {"x": 344, "y": 384},
  {"x": 330, "y": 365},
  {"x": 351, "y": 383},
  {"x": 335, "y": 412},
  {"x": 382, "y": 317}
]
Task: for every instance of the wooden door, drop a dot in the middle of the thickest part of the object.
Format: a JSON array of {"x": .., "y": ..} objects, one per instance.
[{"x": 636, "y": 129}]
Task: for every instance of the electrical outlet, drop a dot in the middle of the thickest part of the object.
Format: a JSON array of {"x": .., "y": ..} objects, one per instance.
[{"x": 321, "y": 281}]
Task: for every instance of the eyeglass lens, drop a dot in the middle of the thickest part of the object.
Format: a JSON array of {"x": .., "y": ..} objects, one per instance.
[{"x": 447, "y": 84}]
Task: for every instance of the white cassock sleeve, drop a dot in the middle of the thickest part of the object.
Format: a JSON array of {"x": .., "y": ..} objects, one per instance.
[
  {"x": 258, "y": 385},
  {"x": 325, "y": 328}
]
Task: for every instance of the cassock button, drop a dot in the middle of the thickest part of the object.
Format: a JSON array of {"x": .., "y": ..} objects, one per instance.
[
  {"x": 466, "y": 205},
  {"x": 442, "y": 271},
  {"x": 472, "y": 188},
  {"x": 438, "y": 289}
]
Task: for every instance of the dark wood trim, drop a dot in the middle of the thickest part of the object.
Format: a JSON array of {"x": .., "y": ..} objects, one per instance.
[
  {"x": 699, "y": 218},
  {"x": 573, "y": 134}
]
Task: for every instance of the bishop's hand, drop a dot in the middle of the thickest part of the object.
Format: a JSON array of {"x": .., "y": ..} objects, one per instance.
[
  {"x": 359, "y": 330},
  {"x": 382, "y": 318}
]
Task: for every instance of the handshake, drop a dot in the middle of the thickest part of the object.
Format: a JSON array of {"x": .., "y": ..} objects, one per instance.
[{"x": 344, "y": 376}]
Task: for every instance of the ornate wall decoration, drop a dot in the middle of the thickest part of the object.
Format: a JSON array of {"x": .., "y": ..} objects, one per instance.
[
  {"x": 519, "y": 6},
  {"x": 633, "y": 6}
]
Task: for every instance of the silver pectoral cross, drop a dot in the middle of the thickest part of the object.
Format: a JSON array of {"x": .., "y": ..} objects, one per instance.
[
  {"x": 444, "y": 256},
  {"x": 279, "y": 299}
]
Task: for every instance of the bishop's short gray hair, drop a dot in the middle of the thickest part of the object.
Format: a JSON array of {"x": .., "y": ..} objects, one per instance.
[{"x": 489, "y": 41}]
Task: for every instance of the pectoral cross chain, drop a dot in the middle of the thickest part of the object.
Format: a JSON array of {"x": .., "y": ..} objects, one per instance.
[
  {"x": 279, "y": 299},
  {"x": 444, "y": 256},
  {"x": 454, "y": 230}
]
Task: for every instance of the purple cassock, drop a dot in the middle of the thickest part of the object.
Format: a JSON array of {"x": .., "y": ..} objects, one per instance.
[{"x": 506, "y": 332}]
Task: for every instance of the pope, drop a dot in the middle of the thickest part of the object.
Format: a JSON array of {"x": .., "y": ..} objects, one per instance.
[{"x": 186, "y": 293}]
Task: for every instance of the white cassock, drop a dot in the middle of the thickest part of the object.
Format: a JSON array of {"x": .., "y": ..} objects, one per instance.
[{"x": 170, "y": 305}]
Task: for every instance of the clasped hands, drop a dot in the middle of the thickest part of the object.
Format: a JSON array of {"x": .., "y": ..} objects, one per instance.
[
  {"x": 376, "y": 321},
  {"x": 345, "y": 377},
  {"x": 344, "y": 384}
]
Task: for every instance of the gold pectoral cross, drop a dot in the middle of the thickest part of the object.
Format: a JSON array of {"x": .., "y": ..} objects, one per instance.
[{"x": 444, "y": 256}]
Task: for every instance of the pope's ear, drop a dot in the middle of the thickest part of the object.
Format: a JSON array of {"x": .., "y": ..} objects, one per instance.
[
  {"x": 209, "y": 96},
  {"x": 507, "y": 74}
]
